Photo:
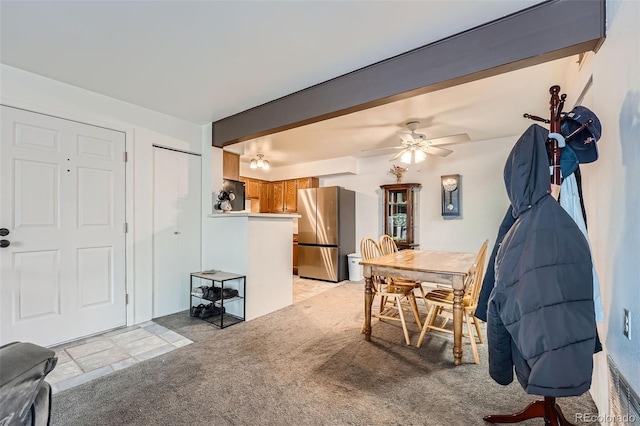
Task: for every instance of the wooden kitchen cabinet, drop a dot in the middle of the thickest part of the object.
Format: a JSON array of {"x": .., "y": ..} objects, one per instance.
[
  {"x": 308, "y": 182},
  {"x": 264, "y": 189},
  {"x": 291, "y": 195},
  {"x": 230, "y": 165},
  {"x": 252, "y": 188},
  {"x": 276, "y": 197},
  {"x": 279, "y": 196}
]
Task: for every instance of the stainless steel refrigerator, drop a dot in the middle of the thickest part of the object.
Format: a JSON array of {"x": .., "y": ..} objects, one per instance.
[{"x": 326, "y": 232}]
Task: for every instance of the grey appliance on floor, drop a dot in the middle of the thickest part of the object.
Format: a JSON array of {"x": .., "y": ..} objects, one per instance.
[{"x": 326, "y": 232}]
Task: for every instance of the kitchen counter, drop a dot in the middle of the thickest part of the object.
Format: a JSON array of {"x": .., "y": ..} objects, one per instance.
[
  {"x": 257, "y": 245},
  {"x": 260, "y": 215}
]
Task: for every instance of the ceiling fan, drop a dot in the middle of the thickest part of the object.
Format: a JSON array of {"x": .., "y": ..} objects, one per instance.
[{"x": 415, "y": 146}]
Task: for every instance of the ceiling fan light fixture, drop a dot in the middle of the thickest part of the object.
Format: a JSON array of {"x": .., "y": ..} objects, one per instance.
[
  {"x": 419, "y": 156},
  {"x": 406, "y": 156}
]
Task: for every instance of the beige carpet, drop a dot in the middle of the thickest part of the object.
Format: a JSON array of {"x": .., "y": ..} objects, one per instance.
[{"x": 306, "y": 364}]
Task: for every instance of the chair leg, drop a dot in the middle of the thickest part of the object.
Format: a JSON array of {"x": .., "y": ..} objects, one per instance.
[
  {"x": 424, "y": 296},
  {"x": 404, "y": 323},
  {"x": 476, "y": 322},
  {"x": 427, "y": 322},
  {"x": 437, "y": 312},
  {"x": 472, "y": 338},
  {"x": 383, "y": 301},
  {"x": 414, "y": 308},
  {"x": 444, "y": 322}
]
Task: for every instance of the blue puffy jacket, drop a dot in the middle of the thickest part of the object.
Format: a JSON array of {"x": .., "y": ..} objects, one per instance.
[{"x": 541, "y": 317}]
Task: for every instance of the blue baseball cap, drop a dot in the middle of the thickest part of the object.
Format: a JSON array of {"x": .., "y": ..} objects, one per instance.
[
  {"x": 584, "y": 142},
  {"x": 568, "y": 161}
]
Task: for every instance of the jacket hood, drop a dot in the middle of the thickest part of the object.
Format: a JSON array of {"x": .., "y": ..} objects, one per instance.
[{"x": 526, "y": 172}]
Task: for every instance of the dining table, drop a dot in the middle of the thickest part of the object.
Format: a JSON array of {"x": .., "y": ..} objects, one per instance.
[{"x": 439, "y": 267}]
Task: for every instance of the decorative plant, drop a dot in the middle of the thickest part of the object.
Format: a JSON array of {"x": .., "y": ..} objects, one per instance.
[{"x": 398, "y": 171}]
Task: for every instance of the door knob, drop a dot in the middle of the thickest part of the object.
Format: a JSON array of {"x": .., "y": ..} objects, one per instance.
[
  {"x": 4, "y": 232},
  {"x": 4, "y": 243},
  {"x": 177, "y": 232}
]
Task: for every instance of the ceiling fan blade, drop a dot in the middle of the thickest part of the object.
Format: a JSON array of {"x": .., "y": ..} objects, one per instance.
[
  {"x": 406, "y": 137},
  {"x": 386, "y": 148},
  {"x": 388, "y": 144},
  {"x": 441, "y": 152},
  {"x": 451, "y": 139},
  {"x": 398, "y": 155}
]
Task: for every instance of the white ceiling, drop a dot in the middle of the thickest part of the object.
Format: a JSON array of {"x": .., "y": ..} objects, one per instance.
[
  {"x": 484, "y": 109},
  {"x": 205, "y": 60}
]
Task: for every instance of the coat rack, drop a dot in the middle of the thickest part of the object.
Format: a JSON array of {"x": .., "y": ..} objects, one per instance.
[
  {"x": 547, "y": 408},
  {"x": 556, "y": 140}
]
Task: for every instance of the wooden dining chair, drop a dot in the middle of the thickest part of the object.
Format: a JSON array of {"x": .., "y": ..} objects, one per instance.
[
  {"x": 441, "y": 301},
  {"x": 388, "y": 245},
  {"x": 392, "y": 308}
]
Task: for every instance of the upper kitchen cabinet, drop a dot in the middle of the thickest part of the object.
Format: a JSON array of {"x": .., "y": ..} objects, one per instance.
[
  {"x": 284, "y": 194},
  {"x": 290, "y": 195},
  {"x": 279, "y": 196},
  {"x": 230, "y": 165},
  {"x": 401, "y": 213},
  {"x": 252, "y": 188},
  {"x": 308, "y": 182},
  {"x": 276, "y": 197},
  {"x": 265, "y": 189},
  {"x": 291, "y": 191}
]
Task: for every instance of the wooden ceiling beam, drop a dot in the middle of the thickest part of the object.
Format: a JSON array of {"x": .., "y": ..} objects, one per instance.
[{"x": 542, "y": 33}]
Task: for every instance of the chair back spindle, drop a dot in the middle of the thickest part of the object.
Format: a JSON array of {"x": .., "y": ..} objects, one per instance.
[
  {"x": 387, "y": 244},
  {"x": 369, "y": 249}
]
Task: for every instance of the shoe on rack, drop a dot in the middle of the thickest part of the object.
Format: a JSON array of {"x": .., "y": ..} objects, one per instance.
[
  {"x": 206, "y": 311},
  {"x": 211, "y": 293},
  {"x": 196, "y": 310},
  {"x": 215, "y": 293},
  {"x": 228, "y": 293},
  {"x": 211, "y": 310}
]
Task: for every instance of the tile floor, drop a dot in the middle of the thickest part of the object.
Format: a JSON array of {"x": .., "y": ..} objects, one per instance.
[
  {"x": 304, "y": 288},
  {"x": 88, "y": 359}
]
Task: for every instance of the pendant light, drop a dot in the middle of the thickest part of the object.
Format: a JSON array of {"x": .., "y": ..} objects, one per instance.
[{"x": 260, "y": 163}]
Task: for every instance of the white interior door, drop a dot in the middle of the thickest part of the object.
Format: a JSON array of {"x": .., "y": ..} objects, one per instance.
[
  {"x": 176, "y": 228},
  {"x": 63, "y": 203}
]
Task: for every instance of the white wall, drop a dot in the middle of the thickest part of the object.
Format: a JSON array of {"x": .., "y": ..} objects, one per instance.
[
  {"x": 143, "y": 128},
  {"x": 333, "y": 166},
  {"x": 211, "y": 182},
  {"x": 610, "y": 187},
  {"x": 239, "y": 245},
  {"x": 483, "y": 197}
]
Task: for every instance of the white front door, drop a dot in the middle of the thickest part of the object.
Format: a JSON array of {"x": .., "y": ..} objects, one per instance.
[
  {"x": 176, "y": 228},
  {"x": 63, "y": 203}
]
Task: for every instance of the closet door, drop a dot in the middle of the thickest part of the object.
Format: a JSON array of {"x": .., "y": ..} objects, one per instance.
[{"x": 176, "y": 228}]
